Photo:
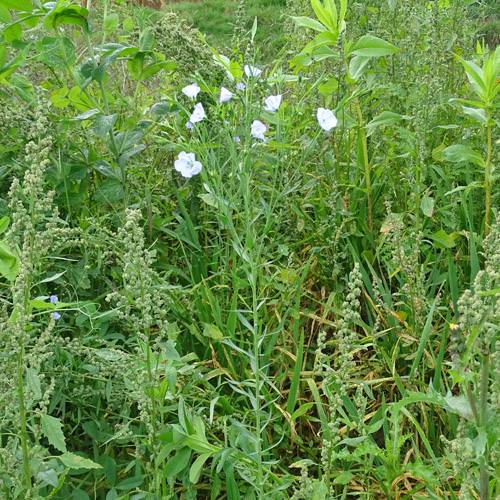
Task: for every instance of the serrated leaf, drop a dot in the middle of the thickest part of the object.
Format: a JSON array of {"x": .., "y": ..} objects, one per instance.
[
  {"x": 74, "y": 461},
  {"x": 52, "y": 429}
]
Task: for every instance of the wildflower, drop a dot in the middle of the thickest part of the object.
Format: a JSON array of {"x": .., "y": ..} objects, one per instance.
[
  {"x": 53, "y": 299},
  {"x": 252, "y": 71},
  {"x": 198, "y": 113},
  {"x": 236, "y": 139},
  {"x": 57, "y": 316},
  {"x": 326, "y": 119},
  {"x": 225, "y": 95},
  {"x": 189, "y": 125},
  {"x": 191, "y": 90},
  {"x": 273, "y": 102},
  {"x": 240, "y": 86},
  {"x": 258, "y": 129},
  {"x": 187, "y": 165}
]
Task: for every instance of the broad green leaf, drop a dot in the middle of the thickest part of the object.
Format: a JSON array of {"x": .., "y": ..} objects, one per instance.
[
  {"x": 325, "y": 38},
  {"x": 103, "y": 124},
  {"x": 52, "y": 429},
  {"x": 427, "y": 206},
  {"x": 344, "y": 478},
  {"x": 443, "y": 240},
  {"x": 146, "y": 40},
  {"x": 196, "y": 468},
  {"x": 329, "y": 87},
  {"x": 460, "y": 153},
  {"x": 178, "y": 462},
  {"x": 372, "y": 46},
  {"x": 4, "y": 224},
  {"x": 131, "y": 483},
  {"x": 476, "y": 77},
  {"x": 111, "y": 22},
  {"x": 213, "y": 332},
  {"x": 307, "y": 22},
  {"x": 22, "y": 5},
  {"x": 109, "y": 191},
  {"x": 358, "y": 66},
  {"x": 384, "y": 118},
  {"x": 5, "y": 17},
  {"x": 74, "y": 461},
  {"x": 34, "y": 383},
  {"x": 478, "y": 114}
]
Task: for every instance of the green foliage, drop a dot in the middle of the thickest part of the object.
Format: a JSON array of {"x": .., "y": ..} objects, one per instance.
[{"x": 312, "y": 315}]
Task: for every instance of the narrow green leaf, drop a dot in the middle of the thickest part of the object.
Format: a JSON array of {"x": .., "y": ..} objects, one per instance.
[{"x": 307, "y": 22}]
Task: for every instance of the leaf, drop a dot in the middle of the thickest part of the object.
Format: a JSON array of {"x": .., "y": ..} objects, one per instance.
[
  {"x": 460, "y": 153},
  {"x": 161, "y": 108},
  {"x": 109, "y": 191},
  {"x": 5, "y": 18},
  {"x": 34, "y": 383},
  {"x": 49, "y": 476},
  {"x": 86, "y": 115},
  {"x": 384, "y": 118},
  {"x": 444, "y": 240},
  {"x": 111, "y": 22},
  {"x": 4, "y": 224},
  {"x": 357, "y": 66},
  {"x": 74, "y": 461},
  {"x": 307, "y": 22},
  {"x": 52, "y": 429},
  {"x": 23, "y": 5},
  {"x": 146, "y": 40},
  {"x": 372, "y": 46},
  {"x": 177, "y": 463},
  {"x": 427, "y": 206},
  {"x": 213, "y": 332},
  {"x": 103, "y": 124},
  {"x": 329, "y": 87},
  {"x": 477, "y": 114},
  {"x": 344, "y": 478},
  {"x": 196, "y": 468},
  {"x": 131, "y": 483}
]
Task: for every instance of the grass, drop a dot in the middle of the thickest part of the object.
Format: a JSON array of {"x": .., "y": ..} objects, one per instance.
[{"x": 217, "y": 19}]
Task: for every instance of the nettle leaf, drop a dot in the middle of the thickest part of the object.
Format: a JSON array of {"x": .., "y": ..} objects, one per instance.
[
  {"x": 52, "y": 429},
  {"x": 74, "y": 461},
  {"x": 372, "y": 46}
]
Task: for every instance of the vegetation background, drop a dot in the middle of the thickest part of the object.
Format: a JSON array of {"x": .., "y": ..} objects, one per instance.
[{"x": 312, "y": 315}]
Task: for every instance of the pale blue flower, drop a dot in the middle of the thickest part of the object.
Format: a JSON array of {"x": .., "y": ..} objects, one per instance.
[
  {"x": 189, "y": 125},
  {"x": 236, "y": 139},
  {"x": 53, "y": 299},
  {"x": 258, "y": 130},
  {"x": 252, "y": 71},
  {"x": 191, "y": 90},
  {"x": 326, "y": 119},
  {"x": 198, "y": 113},
  {"x": 57, "y": 316},
  {"x": 273, "y": 102},
  {"x": 225, "y": 95},
  {"x": 240, "y": 86},
  {"x": 187, "y": 165}
]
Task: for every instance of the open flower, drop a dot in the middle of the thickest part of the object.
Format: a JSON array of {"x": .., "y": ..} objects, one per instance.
[
  {"x": 236, "y": 139},
  {"x": 187, "y": 165},
  {"x": 225, "y": 95},
  {"x": 57, "y": 316},
  {"x": 326, "y": 119},
  {"x": 191, "y": 90},
  {"x": 189, "y": 125},
  {"x": 240, "y": 86},
  {"x": 258, "y": 130},
  {"x": 53, "y": 299},
  {"x": 273, "y": 102},
  {"x": 198, "y": 113},
  {"x": 252, "y": 71}
]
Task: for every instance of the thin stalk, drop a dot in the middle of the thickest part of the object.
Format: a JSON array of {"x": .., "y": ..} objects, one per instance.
[
  {"x": 484, "y": 476},
  {"x": 22, "y": 417},
  {"x": 487, "y": 182}
]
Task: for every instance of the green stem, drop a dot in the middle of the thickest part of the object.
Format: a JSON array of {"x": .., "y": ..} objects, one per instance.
[
  {"x": 22, "y": 417},
  {"x": 484, "y": 476},
  {"x": 487, "y": 182}
]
